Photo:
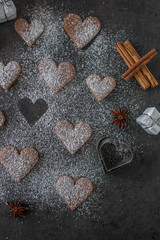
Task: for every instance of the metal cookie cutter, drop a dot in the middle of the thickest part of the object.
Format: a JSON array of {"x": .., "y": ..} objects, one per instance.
[{"x": 113, "y": 154}]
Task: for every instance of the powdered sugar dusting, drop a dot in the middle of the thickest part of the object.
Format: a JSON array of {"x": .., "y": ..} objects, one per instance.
[
  {"x": 100, "y": 88},
  {"x": 29, "y": 32},
  {"x": 56, "y": 78},
  {"x": 18, "y": 165},
  {"x": 9, "y": 73},
  {"x": 74, "y": 194},
  {"x": 75, "y": 103},
  {"x": 86, "y": 32},
  {"x": 73, "y": 138},
  {"x": 81, "y": 32}
]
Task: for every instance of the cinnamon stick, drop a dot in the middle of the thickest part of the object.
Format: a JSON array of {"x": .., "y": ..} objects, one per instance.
[
  {"x": 148, "y": 75},
  {"x": 139, "y": 64},
  {"x": 130, "y": 62}
]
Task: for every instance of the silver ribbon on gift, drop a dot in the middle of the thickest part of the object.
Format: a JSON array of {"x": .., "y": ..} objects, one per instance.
[{"x": 7, "y": 10}]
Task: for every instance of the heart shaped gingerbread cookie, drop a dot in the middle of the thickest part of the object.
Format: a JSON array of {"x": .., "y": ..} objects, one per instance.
[
  {"x": 56, "y": 77},
  {"x": 80, "y": 32},
  {"x": 9, "y": 74},
  {"x": 2, "y": 119},
  {"x": 18, "y": 164},
  {"x": 100, "y": 88},
  {"x": 74, "y": 194},
  {"x": 29, "y": 32},
  {"x": 73, "y": 137}
]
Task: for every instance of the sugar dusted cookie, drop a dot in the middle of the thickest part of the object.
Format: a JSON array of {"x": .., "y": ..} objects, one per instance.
[
  {"x": 73, "y": 137},
  {"x": 56, "y": 77},
  {"x": 18, "y": 164},
  {"x": 29, "y": 32},
  {"x": 2, "y": 119},
  {"x": 100, "y": 88},
  {"x": 74, "y": 194},
  {"x": 9, "y": 74},
  {"x": 80, "y": 32}
]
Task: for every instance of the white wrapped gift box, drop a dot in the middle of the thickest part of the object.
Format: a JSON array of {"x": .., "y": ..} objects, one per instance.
[
  {"x": 8, "y": 10},
  {"x": 150, "y": 121}
]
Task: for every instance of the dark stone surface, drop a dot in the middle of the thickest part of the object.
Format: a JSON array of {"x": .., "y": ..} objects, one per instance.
[{"x": 138, "y": 215}]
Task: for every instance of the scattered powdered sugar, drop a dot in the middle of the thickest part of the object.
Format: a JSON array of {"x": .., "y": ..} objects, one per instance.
[
  {"x": 29, "y": 32},
  {"x": 74, "y": 193},
  {"x": 18, "y": 165},
  {"x": 100, "y": 88},
  {"x": 9, "y": 73},
  {"x": 73, "y": 137},
  {"x": 85, "y": 33},
  {"x": 74, "y": 103},
  {"x": 81, "y": 32},
  {"x": 56, "y": 78}
]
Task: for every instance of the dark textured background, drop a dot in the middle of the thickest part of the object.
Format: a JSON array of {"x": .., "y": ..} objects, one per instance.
[{"x": 138, "y": 216}]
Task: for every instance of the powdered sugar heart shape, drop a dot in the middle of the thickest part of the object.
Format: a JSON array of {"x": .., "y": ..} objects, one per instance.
[
  {"x": 73, "y": 137},
  {"x": 18, "y": 164},
  {"x": 9, "y": 74},
  {"x": 100, "y": 88},
  {"x": 80, "y": 32},
  {"x": 2, "y": 119},
  {"x": 74, "y": 194},
  {"x": 56, "y": 77},
  {"x": 29, "y": 32}
]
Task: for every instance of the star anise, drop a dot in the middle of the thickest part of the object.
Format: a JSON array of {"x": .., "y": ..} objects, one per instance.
[
  {"x": 119, "y": 117},
  {"x": 17, "y": 209}
]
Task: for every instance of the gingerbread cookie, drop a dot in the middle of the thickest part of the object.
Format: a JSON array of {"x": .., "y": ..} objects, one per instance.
[
  {"x": 2, "y": 119},
  {"x": 100, "y": 88},
  {"x": 74, "y": 194},
  {"x": 29, "y": 32},
  {"x": 56, "y": 77},
  {"x": 73, "y": 137},
  {"x": 18, "y": 164},
  {"x": 80, "y": 32},
  {"x": 9, "y": 74}
]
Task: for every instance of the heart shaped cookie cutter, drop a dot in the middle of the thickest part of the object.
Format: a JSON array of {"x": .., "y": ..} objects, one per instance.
[{"x": 122, "y": 147}]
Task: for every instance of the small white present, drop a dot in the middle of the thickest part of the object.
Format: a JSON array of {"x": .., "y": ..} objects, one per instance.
[
  {"x": 150, "y": 121},
  {"x": 8, "y": 10}
]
